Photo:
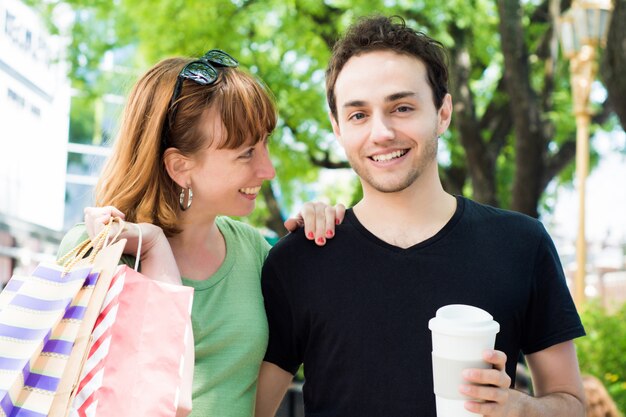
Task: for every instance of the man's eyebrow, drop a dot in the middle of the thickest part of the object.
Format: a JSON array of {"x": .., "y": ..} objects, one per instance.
[
  {"x": 400, "y": 95},
  {"x": 390, "y": 98},
  {"x": 354, "y": 103}
]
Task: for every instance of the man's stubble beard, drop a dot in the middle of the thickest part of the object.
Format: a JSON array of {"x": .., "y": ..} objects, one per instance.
[{"x": 428, "y": 156}]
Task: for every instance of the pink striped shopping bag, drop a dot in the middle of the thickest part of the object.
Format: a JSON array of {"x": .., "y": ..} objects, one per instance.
[{"x": 134, "y": 366}]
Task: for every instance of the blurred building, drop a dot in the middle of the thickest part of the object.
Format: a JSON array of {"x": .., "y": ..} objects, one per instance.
[
  {"x": 50, "y": 156},
  {"x": 34, "y": 122}
]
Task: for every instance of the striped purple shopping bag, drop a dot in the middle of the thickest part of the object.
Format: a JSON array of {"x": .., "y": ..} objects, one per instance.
[
  {"x": 40, "y": 317},
  {"x": 37, "y": 315}
]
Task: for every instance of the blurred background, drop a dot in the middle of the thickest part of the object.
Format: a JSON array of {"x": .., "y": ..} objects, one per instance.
[{"x": 526, "y": 106}]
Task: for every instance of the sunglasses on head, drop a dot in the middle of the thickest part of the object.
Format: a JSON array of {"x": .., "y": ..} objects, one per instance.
[{"x": 203, "y": 71}]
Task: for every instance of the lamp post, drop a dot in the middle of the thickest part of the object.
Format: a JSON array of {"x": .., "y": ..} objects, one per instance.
[{"x": 582, "y": 29}]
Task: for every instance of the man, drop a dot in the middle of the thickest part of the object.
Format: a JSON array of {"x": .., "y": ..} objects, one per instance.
[{"x": 356, "y": 312}]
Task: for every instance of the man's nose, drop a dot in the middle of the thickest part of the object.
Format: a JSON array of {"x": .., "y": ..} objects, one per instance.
[{"x": 382, "y": 129}]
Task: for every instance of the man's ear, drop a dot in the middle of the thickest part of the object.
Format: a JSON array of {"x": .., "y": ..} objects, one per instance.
[
  {"x": 444, "y": 115},
  {"x": 335, "y": 126},
  {"x": 178, "y": 167}
]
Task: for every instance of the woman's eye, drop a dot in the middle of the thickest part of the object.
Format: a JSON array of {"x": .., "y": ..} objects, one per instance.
[{"x": 248, "y": 153}]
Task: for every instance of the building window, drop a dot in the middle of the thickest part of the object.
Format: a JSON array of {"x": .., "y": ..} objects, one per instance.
[
  {"x": 36, "y": 111},
  {"x": 9, "y": 20},
  {"x": 16, "y": 98},
  {"x": 28, "y": 40}
]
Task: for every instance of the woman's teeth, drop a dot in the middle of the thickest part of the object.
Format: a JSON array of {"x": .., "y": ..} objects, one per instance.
[{"x": 250, "y": 190}]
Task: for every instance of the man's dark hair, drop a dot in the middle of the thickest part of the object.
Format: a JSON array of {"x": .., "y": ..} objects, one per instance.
[{"x": 381, "y": 33}]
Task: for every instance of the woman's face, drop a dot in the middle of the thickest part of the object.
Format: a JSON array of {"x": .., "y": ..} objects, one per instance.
[{"x": 227, "y": 181}]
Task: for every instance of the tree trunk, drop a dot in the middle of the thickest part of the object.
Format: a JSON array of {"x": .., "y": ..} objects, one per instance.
[
  {"x": 480, "y": 165},
  {"x": 614, "y": 62},
  {"x": 275, "y": 220},
  {"x": 524, "y": 105}
]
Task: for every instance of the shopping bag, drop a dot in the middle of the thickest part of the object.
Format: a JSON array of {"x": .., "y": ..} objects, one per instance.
[
  {"x": 40, "y": 315},
  {"x": 136, "y": 359},
  {"x": 38, "y": 310},
  {"x": 105, "y": 263}
]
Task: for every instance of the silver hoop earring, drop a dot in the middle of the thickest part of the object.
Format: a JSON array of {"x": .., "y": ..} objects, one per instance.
[{"x": 182, "y": 198}]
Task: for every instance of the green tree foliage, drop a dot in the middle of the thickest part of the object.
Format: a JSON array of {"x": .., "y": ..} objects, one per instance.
[
  {"x": 601, "y": 352},
  {"x": 501, "y": 151}
]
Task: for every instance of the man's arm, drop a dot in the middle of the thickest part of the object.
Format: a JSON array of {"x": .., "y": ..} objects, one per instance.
[
  {"x": 272, "y": 386},
  {"x": 557, "y": 383},
  {"x": 556, "y": 380}
]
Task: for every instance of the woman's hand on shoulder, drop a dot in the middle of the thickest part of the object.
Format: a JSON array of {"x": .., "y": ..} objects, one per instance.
[{"x": 318, "y": 219}]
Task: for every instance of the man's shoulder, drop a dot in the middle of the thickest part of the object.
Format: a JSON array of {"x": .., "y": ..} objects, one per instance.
[
  {"x": 292, "y": 242},
  {"x": 496, "y": 218}
]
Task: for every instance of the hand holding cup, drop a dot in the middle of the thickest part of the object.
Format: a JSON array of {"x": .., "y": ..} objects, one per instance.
[
  {"x": 460, "y": 335},
  {"x": 489, "y": 387}
]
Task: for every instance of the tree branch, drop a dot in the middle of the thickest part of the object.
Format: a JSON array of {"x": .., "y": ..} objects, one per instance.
[
  {"x": 558, "y": 162},
  {"x": 326, "y": 162}
]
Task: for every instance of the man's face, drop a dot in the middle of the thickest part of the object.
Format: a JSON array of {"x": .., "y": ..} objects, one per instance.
[{"x": 387, "y": 121}]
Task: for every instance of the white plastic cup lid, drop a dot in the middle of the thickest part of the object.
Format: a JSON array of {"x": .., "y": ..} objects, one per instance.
[{"x": 463, "y": 320}]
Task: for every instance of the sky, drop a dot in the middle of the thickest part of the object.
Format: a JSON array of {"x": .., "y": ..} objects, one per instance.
[{"x": 605, "y": 206}]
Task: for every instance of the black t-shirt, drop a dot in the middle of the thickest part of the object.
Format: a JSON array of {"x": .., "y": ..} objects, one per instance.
[{"x": 356, "y": 311}]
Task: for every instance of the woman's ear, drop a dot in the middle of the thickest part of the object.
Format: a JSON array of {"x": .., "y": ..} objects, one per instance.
[{"x": 178, "y": 167}]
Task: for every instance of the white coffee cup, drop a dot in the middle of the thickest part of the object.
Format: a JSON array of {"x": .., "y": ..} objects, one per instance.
[{"x": 460, "y": 335}]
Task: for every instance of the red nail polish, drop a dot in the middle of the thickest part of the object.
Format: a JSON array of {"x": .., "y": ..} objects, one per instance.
[
  {"x": 320, "y": 240},
  {"x": 329, "y": 233},
  {"x": 336, "y": 221},
  {"x": 310, "y": 235}
]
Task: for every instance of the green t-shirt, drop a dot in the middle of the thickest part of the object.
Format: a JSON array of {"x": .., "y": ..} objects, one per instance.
[{"x": 229, "y": 323}]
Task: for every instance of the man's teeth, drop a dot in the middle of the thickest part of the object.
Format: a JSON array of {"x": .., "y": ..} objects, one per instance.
[
  {"x": 388, "y": 156},
  {"x": 250, "y": 190}
]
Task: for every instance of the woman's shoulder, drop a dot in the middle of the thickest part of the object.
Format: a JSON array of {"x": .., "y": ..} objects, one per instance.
[
  {"x": 229, "y": 225},
  {"x": 72, "y": 238},
  {"x": 241, "y": 231}
]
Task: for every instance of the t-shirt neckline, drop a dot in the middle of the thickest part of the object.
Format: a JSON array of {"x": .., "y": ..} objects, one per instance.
[
  {"x": 458, "y": 213},
  {"x": 224, "y": 270}
]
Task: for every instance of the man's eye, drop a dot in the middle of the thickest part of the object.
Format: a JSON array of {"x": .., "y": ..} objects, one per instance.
[
  {"x": 357, "y": 116},
  {"x": 403, "y": 109}
]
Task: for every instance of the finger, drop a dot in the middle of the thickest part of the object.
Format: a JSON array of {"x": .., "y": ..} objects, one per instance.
[
  {"x": 483, "y": 408},
  {"x": 494, "y": 377},
  {"x": 307, "y": 214},
  {"x": 320, "y": 224},
  {"x": 114, "y": 212},
  {"x": 92, "y": 215},
  {"x": 485, "y": 393},
  {"x": 291, "y": 224},
  {"x": 99, "y": 223},
  {"x": 496, "y": 358},
  {"x": 97, "y": 217},
  {"x": 329, "y": 215},
  {"x": 340, "y": 213}
]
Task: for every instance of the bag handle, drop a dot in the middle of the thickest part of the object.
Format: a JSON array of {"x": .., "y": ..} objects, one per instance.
[
  {"x": 140, "y": 239},
  {"x": 70, "y": 259},
  {"x": 121, "y": 228}
]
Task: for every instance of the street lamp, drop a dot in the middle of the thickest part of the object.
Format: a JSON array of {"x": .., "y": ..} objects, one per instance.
[{"x": 582, "y": 28}]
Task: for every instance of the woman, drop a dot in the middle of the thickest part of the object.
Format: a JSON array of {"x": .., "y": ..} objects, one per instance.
[{"x": 192, "y": 147}]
